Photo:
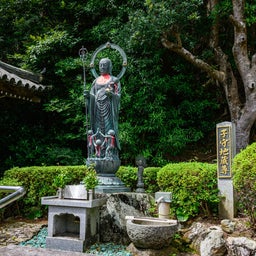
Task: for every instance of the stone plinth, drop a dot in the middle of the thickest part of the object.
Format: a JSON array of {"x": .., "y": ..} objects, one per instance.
[
  {"x": 73, "y": 225},
  {"x": 110, "y": 184}
]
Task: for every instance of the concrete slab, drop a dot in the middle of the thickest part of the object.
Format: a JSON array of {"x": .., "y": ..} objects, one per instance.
[{"x": 14, "y": 250}]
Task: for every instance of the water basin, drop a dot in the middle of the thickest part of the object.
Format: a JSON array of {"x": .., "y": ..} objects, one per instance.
[{"x": 151, "y": 233}]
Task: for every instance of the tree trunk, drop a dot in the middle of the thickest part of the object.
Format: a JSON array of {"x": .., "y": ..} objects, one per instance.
[
  {"x": 245, "y": 123},
  {"x": 247, "y": 71},
  {"x": 242, "y": 111}
]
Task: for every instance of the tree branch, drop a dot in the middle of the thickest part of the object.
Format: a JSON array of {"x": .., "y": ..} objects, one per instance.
[
  {"x": 177, "y": 48},
  {"x": 238, "y": 24},
  {"x": 246, "y": 68}
]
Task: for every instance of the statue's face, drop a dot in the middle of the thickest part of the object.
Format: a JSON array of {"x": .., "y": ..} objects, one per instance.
[{"x": 104, "y": 66}]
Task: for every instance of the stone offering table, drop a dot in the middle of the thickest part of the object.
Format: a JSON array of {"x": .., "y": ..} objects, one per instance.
[{"x": 73, "y": 224}]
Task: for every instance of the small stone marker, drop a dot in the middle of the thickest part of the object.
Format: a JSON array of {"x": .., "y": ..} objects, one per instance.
[
  {"x": 226, "y": 143},
  {"x": 141, "y": 162}
]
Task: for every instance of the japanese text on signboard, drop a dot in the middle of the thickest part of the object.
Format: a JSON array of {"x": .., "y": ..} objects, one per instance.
[{"x": 224, "y": 153}]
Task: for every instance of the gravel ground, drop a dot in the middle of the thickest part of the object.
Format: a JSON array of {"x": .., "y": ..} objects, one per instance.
[
  {"x": 15, "y": 231},
  {"x": 108, "y": 249}
]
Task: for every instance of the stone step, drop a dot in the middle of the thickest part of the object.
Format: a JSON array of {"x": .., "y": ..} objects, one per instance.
[{"x": 14, "y": 250}]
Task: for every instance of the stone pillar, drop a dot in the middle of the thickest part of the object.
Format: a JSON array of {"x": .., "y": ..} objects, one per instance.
[{"x": 226, "y": 144}]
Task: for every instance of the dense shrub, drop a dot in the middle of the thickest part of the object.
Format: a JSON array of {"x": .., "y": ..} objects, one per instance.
[
  {"x": 193, "y": 186},
  {"x": 244, "y": 180},
  {"x": 38, "y": 181},
  {"x": 130, "y": 177},
  {"x": 150, "y": 179}
]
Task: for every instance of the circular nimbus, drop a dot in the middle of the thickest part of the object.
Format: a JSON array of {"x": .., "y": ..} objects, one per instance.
[{"x": 111, "y": 46}]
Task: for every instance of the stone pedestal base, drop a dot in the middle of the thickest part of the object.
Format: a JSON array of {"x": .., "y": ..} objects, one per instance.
[
  {"x": 140, "y": 190},
  {"x": 110, "y": 184},
  {"x": 65, "y": 244}
]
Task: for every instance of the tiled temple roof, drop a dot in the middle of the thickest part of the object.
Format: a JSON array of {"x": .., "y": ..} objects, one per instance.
[{"x": 20, "y": 84}]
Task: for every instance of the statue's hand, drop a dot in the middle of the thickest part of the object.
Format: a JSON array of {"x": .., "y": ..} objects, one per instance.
[
  {"x": 109, "y": 91},
  {"x": 86, "y": 93}
]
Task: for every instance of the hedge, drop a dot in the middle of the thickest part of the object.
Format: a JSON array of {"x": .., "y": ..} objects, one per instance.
[
  {"x": 244, "y": 180},
  {"x": 193, "y": 186},
  {"x": 38, "y": 182}
]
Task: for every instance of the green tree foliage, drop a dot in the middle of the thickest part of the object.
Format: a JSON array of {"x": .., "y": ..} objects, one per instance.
[
  {"x": 164, "y": 107},
  {"x": 244, "y": 180},
  {"x": 177, "y": 112}
]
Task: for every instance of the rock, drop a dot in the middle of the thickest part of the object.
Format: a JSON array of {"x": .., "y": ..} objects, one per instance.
[
  {"x": 240, "y": 246},
  {"x": 228, "y": 226},
  {"x": 195, "y": 234},
  {"x": 214, "y": 243},
  {"x": 151, "y": 252},
  {"x": 112, "y": 214},
  {"x": 205, "y": 240},
  {"x": 210, "y": 240}
]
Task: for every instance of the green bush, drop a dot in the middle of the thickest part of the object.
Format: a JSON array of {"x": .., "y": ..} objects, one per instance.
[
  {"x": 150, "y": 179},
  {"x": 193, "y": 186},
  {"x": 38, "y": 182},
  {"x": 244, "y": 180},
  {"x": 129, "y": 176}
]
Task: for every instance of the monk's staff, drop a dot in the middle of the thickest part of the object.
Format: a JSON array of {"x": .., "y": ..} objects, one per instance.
[{"x": 83, "y": 54}]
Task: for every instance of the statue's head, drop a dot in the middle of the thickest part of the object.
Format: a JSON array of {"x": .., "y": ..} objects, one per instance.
[
  {"x": 105, "y": 66},
  {"x": 98, "y": 142},
  {"x": 111, "y": 132}
]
